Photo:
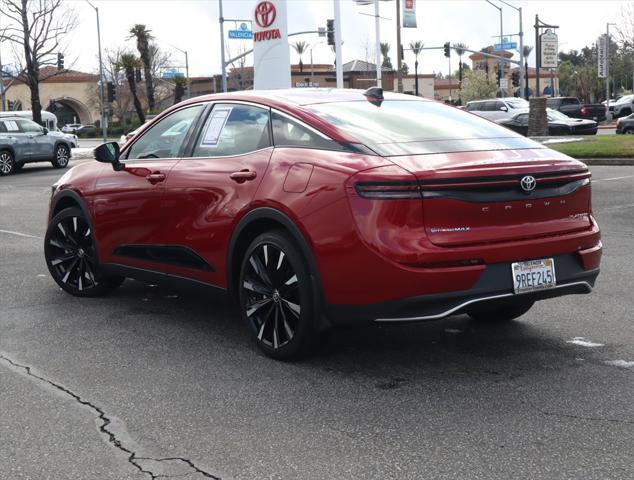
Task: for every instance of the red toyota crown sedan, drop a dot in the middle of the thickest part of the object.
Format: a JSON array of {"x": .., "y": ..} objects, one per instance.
[{"x": 318, "y": 207}]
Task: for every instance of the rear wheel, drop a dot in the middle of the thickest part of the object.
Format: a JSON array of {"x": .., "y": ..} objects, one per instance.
[
  {"x": 61, "y": 156},
  {"x": 71, "y": 256},
  {"x": 276, "y": 297},
  {"x": 7, "y": 163},
  {"x": 504, "y": 314}
]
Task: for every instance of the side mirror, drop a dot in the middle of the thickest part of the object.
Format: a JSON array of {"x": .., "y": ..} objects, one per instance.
[
  {"x": 44, "y": 130},
  {"x": 109, "y": 153},
  {"x": 504, "y": 109}
]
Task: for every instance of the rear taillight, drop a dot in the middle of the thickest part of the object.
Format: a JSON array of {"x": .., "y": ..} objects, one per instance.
[
  {"x": 388, "y": 190},
  {"x": 584, "y": 111}
]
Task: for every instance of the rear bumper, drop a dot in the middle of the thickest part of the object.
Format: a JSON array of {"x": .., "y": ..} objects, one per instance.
[{"x": 576, "y": 274}]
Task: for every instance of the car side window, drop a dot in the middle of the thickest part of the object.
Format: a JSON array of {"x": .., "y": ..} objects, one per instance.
[
  {"x": 165, "y": 138},
  {"x": 233, "y": 129},
  {"x": 290, "y": 133},
  {"x": 489, "y": 106},
  {"x": 27, "y": 126},
  {"x": 522, "y": 119},
  {"x": 497, "y": 106}
]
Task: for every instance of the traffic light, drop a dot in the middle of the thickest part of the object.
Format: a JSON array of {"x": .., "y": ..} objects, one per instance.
[
  {"x": 60, "y": 61},
  {"x": 137, "y": 75},
  {"x": 401, "y": 52},
  {"x": 447, "y": 48},
  {"x": 330, "y": 31},
  {"x": 515, "y": 77},
  {"x": 112, "y": 93}
]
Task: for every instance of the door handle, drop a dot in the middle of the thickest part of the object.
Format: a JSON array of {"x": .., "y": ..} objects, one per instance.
[
  {"x": 243, "y": 176},
  {"x": 155, "y": 177}
]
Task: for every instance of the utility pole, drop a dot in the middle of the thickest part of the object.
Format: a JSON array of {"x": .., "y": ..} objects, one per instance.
[
  {"x": 102, "y": 80},
  {"x": 538, "y": 54},
  {"x": 399, "y": 73},
  {"x": 377, "y": 31},
  {"x": 2, "y": 94},
  {"x": 338, "y": 55},
  {"x": 222, "y": 48}
]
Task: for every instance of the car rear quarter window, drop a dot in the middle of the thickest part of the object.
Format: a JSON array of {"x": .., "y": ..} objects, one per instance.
[
  {"x": 290, "y": 133},
  {"x": 165, "y": 138},
  {"x": 233, "y": 129},
  {"x": 411, "y": 127}
]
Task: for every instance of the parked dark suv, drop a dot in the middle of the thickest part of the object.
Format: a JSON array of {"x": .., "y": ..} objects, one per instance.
[{"x": 23, "y": 141}]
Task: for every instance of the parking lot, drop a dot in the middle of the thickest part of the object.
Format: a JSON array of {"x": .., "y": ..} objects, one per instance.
[{"x": 152, "y": 381}]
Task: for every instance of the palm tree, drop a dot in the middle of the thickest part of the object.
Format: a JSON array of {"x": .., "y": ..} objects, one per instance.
[
  {"x": 526, "y": 51},
  {"x": 385, "y": 51},
  {"x": 416, "y": 47},
  {"x": 300, "y": 47},
  {"x": 128, "y": 62},
  {"x": 460, "y": 49},
  {"x": 143, "y": 38}
]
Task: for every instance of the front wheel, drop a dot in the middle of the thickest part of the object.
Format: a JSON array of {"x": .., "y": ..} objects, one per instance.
[
  {"x": 276, "y": 296},
  {"x": 61, "y": 156},
  {"x": 498, "y": 315},
  {"x": 7, "y": 163},
  {"x": 71, "y": 256}
]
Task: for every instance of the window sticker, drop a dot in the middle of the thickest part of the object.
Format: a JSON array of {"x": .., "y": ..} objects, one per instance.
[
  {"x": 217, "y": 122},
  {"x": 11, "y": 125}
]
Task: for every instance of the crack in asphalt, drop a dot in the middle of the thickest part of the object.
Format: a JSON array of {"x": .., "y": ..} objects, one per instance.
[
  {"x": 133, "y": 459},
  {"x": 577, "y": 417}
]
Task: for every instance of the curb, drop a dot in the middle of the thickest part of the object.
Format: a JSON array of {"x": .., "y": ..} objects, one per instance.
[{"x": 613, "y": 162}]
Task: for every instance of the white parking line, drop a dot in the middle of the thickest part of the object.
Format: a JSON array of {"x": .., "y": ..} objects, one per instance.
[
  {"x": 613, "y": 178},
  {"x": 26, "y": 235}
]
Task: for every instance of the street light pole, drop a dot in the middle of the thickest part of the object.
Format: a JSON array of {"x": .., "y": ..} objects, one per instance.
[
  {"x": 102, "y": 104},
  {"x": 222, "y": 48},
  {"x": 377, "y": 32},
  {"x": 521, "y": 34},
  {"x": 2, "y": 94},
  {"x": 501, "y": 63}
]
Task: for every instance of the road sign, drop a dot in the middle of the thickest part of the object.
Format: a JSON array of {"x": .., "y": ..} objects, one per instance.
[
  {"x": 505, "y": 46},
  {"x": 602, "y": 64},
  {"x": 549, "y": 48},
  {"x": 242, "y": 34}
]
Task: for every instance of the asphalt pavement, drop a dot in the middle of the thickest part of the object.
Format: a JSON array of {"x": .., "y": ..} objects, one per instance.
[{"x": 152, "y": 381}]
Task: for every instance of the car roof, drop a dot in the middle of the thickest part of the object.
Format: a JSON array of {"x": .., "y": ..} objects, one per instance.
[{"x": 305, "y": 96}]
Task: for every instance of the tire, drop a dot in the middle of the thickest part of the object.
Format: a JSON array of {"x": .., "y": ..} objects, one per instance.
[
  {"x": 629, "y": 131},
  {"x": 61, "y": 156},
  {"x": 7, "y": 163},
  {"x": 499, "y": 315},
  {"x": 276, "y": 297},
  {"x": 71, "y": 256}
]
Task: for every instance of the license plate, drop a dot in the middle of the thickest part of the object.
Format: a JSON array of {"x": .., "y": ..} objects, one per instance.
[{"x": 533, "y": 275}]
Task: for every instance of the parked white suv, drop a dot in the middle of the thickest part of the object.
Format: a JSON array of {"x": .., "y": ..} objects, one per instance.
[{"x": 497, "y": 108}]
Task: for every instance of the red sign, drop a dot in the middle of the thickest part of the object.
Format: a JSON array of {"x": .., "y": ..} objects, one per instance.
[{"x": 265, "y": 14}]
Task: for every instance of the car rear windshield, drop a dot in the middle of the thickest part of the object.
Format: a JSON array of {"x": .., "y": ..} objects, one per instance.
[{"x": 403, "y": 127}]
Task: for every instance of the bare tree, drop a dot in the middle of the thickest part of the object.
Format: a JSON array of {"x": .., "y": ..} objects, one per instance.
[{"x": 37, "y": 27}]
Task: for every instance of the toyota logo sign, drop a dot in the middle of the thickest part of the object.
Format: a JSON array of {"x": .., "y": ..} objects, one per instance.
[
  {"x": 528, "y": 183},
  {"x": 265, "y": 14}
]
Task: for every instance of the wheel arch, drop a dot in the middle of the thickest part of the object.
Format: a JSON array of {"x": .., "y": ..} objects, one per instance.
[
  {"x": 65, "y": 143},
  {"x": 249, "y": 227},
  {"x": 10, "y": 149}
]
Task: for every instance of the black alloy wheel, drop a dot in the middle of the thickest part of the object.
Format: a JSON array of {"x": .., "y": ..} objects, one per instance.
[
  {"x": 62, "y": 156},
  {"x": 502, "y": 314},
  {"x": 71, "y": 256},
  {"x": 7, "y": 163},
  {"x": 276, "y": 297}
]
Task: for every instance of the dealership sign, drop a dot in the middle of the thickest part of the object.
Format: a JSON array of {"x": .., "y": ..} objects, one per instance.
[
  {"x": 409, "y": 13},
  {"x": 549, "y": 49},
  {"x": 272, "y": 59},
  {"x": 602, "y": 56}
]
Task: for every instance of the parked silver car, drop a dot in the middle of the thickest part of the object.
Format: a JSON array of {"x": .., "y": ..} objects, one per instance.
[{"x": 24, "y": 141}]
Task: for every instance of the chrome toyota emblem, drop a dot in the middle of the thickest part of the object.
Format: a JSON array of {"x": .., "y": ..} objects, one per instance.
[{"x": 528, "y": 183}]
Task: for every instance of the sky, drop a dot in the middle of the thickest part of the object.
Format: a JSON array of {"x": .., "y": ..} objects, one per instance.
[{"x": 192, "y": 25}]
